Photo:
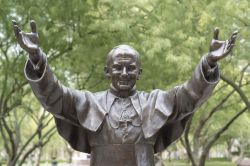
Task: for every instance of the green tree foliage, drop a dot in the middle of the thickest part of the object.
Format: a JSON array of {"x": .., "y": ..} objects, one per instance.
[{"x": 170, "y": 35}]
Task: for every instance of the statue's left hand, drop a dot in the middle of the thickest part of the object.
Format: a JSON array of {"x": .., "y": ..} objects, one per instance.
[{"x": 220, "y": 49}]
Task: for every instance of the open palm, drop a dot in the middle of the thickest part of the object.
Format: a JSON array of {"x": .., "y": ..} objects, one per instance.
[
  {"x": 220, "y": 49},
  {"x": 28, "y": 41}
]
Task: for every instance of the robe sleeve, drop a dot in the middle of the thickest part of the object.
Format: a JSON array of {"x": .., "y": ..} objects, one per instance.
[
  {"x": 75, "y": 112},
  {"x": 167, "y": 112}
]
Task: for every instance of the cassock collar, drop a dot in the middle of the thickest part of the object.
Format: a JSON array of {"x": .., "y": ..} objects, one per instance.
[{"x": 134, "y": 97}]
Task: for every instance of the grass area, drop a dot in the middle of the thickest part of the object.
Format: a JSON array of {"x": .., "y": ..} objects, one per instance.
[{"x": 208, "y": 163}]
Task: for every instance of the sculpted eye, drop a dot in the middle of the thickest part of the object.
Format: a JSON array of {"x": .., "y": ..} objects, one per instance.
[
  {"x": 117, "y": 67},
  {"x": 131, "y": 67}
]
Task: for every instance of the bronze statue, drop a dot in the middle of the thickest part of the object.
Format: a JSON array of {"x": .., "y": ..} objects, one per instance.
[{"x": 121, "y": 126}]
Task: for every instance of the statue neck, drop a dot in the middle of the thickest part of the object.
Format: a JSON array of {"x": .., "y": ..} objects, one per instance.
[{"x": 121, "y": 93}]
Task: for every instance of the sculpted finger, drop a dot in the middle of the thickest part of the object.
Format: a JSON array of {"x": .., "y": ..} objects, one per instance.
[
  {"x": 14, "y": 22},
  {"x": 232, "y": 40},
  {"x": 234, "y": 36},
  {"x": 33, "y": 26},
  {"x": 15, "y": 26},
  {"x": 236, "y": 32},
  {"x": 229, "y": 49},
  {"x": 17, "y": 31},
  {"x": 216, "y": 33}
]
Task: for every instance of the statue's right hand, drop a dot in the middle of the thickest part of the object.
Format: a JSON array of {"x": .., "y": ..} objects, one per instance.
[{"x": 28, "y": 41}]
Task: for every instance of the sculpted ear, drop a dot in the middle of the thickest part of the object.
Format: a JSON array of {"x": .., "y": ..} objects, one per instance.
[
  {"x": 140, "y": 72},
  {"x": 106, "y": 71}
]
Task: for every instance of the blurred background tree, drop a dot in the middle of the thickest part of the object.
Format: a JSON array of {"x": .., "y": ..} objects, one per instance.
[{"x": 171, "y": 37}]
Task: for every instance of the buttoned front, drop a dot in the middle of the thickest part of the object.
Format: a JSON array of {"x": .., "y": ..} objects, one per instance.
[
  {"x": 121, "y": 136},
  {"x": 124, "y": 119}
]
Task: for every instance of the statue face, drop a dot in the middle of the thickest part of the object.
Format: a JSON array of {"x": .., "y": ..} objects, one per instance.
[{"x": 124, "y": 70}]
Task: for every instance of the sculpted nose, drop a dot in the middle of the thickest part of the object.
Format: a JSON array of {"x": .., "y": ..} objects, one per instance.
[{"x": 124, "y": 72}]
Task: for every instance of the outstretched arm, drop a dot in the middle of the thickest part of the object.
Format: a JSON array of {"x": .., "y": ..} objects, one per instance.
[
  {"x": 69, "y": 105},
  {"x": 168, "y": 112},
  {"x": 206, "y": 75},
  {"x": 54, "y": 97}
]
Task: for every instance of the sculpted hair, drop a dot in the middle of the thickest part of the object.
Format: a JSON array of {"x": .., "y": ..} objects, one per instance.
[{"x": 125, "y": 49}]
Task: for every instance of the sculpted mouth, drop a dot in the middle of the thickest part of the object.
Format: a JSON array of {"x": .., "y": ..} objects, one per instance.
[{"x": 123, "y": 82}]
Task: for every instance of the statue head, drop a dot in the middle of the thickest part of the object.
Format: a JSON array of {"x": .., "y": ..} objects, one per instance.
[{"x": 123, "y": 67}]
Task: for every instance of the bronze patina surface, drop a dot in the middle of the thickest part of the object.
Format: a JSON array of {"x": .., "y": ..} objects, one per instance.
[{"x": 121, "y": 126}]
